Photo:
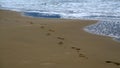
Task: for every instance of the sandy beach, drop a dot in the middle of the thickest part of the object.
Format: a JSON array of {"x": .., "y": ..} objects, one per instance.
[{"x": 27, "y": 42}]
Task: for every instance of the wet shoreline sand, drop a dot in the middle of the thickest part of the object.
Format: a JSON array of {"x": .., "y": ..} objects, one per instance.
[{"x": 27, "y": 42}]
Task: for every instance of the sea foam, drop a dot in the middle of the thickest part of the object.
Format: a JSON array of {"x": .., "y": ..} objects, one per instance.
[
  {"x": 105, "y": 28},
  {"x": 73, "y": 9}
]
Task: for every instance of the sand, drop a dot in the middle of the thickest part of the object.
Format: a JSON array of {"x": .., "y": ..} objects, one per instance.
[{"x": 27, "y": 42}]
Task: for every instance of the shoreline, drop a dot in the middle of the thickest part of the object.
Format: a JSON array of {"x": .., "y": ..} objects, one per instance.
[
  {"x": 43, "y": 16},
  {"x": 27, "y": 42}
]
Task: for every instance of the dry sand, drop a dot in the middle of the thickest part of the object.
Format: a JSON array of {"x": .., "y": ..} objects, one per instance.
[{"x": 53, "y": 43}]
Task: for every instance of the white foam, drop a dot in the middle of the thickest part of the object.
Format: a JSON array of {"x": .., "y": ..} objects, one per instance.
[
  {"x": 110, "y": 28},
  {"x": 67, "y": 8}
]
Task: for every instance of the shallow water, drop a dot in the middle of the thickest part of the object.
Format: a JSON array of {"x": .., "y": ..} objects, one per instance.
[
  {"x": 117, "y": 39},
  {"x": 105, "y": 28},
  {"x": 42, "y": 15}
]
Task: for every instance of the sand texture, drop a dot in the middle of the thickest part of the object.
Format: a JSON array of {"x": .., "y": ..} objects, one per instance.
[{"x": 53, "y": 43}]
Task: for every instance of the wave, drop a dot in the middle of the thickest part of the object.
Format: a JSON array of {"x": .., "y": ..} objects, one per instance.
[
  {"x": 95, "y": 9},
  {"x": 109, "y": 28}
]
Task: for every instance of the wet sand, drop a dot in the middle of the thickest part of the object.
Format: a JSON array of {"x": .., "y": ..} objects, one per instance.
[{"x": 53, "y": 43}]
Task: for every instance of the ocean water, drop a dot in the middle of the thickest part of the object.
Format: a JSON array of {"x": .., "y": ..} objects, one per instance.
[
  {"x": 107, "y": 11},
  {"x": 86, "y": 9}
]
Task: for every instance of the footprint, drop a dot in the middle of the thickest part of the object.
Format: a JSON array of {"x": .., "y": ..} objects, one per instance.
[
  {"x": 48, "y": 34},
  {"x": 108, "y": 61},
  {"x": 51, "y": 30},
  {"x": 73, "y": 47},
  {"x": 60, "y": 38},
  {"x": 60, "y": 43},
  {"x": 83, "y": 56},
  {"x": 31, "y": 22},
  {"x": 116, "y": 63},
  {"x": 42, "y": 27},
  {"x": 76, "y": 48},
  {"x": 78, "y": 52}
]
